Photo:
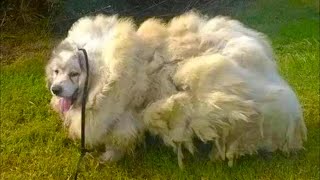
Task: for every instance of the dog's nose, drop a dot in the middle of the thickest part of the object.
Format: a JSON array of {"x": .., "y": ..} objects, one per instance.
[{"x": 56, "y": 90}]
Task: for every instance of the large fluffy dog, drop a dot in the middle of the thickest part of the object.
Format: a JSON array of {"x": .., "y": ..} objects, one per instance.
[{"x": 211, "y": 79}]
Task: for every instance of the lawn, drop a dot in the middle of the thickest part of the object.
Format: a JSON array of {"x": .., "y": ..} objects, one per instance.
[{"x": 34, "y": 144}]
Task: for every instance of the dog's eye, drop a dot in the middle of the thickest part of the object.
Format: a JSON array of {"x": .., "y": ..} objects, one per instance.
[
  {"x": 56, "y": 71},
  {"x": 74, "y": 74}
]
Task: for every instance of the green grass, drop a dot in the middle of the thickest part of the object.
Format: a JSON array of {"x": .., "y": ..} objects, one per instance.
[{"x": 34, "y": 144}]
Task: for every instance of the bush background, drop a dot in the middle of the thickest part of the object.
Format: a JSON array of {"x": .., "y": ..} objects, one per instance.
[
  {"x": 34, "y": 144},
  {"x": 60, "y": 14}
]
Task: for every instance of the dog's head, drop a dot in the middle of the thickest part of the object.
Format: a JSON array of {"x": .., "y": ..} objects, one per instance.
[
  {"x": 66, "y": 74},
  {"x": 116, "y": 59}
]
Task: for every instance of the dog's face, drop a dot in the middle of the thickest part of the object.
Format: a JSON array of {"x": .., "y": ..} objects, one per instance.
[{"x": 65, "y": 75}]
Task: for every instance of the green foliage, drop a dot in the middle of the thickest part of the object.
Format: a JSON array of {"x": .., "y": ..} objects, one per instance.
[
  {"x": 60, "y": 14},
  {"x": 71, "y": 10},
  {"x": 25, "y": 11},
  {"x": 34, "y": 145}
]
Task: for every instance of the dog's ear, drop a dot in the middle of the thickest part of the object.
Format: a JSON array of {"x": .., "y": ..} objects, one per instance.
[{"x": 81, "y": 60}]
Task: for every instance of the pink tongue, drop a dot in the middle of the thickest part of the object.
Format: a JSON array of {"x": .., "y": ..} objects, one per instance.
[{"x": 65, "y": 104}]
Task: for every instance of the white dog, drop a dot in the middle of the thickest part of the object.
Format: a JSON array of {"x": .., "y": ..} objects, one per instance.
[
  {"x": 211, "y": 79},
  {"x": 116, "y": 84}
]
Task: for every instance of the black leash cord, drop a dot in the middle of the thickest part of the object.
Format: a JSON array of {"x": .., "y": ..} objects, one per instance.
[{"x": 83, "y": 113}]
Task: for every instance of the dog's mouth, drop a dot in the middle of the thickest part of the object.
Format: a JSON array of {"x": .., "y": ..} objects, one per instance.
[{"x": 65, "y": 103}]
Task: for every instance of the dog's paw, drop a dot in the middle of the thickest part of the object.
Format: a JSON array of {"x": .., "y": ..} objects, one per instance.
[{"x": 111, "y": 155}]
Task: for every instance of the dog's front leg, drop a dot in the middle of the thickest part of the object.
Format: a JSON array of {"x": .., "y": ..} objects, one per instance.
[{"x": 111, "y": 154}]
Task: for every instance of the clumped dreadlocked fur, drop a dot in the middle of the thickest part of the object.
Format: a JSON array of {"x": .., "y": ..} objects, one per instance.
[{"x": 195, "y": 77}]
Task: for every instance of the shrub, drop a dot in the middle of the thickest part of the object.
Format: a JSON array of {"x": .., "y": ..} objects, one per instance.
[{"x": 62, "y": 13}]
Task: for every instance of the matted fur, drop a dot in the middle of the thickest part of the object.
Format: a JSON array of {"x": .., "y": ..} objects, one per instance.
[
  {"x": 116, "y": 85},
  {"x": 195, "y": 77}
]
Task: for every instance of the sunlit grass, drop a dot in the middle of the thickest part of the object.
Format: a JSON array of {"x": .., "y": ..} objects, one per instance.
[{"x": 35, "y": 145}]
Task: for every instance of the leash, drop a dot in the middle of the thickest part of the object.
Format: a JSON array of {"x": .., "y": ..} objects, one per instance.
[{"x": 83, "y": 114}]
